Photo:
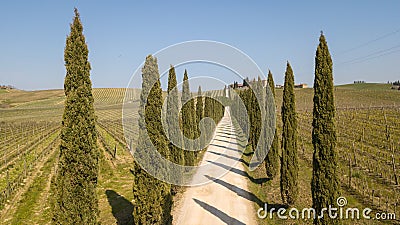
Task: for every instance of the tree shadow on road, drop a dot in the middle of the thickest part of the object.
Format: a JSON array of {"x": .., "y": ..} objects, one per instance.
[
  {"x": 221, "y": 146},
  {"x": 228, "y": 142},
  {"x": 242, "y": 173},
  {"x": 247, "y": 195},
  {"x": 218, "y": 213},
  {"x": 218, "y": 136},
  {"x": 239, "y": 191},
  {"x": 122, "y": 208},
  {"x": 225, "y": 134},
  {"x": 230, "y": 157}
]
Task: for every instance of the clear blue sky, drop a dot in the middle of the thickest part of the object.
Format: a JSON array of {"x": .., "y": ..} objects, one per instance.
[{"x": 363, "y": 37}]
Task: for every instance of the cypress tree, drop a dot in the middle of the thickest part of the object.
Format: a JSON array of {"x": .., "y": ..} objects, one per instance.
[
  {"x": 199, "y": 116},
  {"x": 259, "y": 101},
  {"x": 152, "y": 198},
  {"x": 289, "y": 161},
  {"x": 244, "y": 124},
  {"x": 76, "y": 179},
  {"x": 272, "y": 159},
  {"x": 325, "y": 183},
  {"x": 254, "y": 112},
  {"x": 177, "y": 155},
  {"x": 188, "y": 120},
  {"x": 208, "y": 114}
]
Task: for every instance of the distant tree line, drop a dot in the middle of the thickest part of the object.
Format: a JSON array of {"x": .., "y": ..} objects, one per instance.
[
  {"x": 397, "y": 83},
  {"x": 359, "y": 82},
  {"x": 7, "y": 87}
]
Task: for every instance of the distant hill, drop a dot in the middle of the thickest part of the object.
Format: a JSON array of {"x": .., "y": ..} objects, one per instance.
[
  {"x": 55, "y": 98},
  {"x": 360, "y": 95},
  {"x": 365, "y": 86},
  {"x": 348, "y": 95}
]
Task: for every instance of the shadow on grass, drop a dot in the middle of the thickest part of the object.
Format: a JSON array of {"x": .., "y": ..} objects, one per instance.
[
  {"x": 218, "y": 213},
  {"x": 242, "y": 173},
  {"x": 248, "y": 153},
  {"x": 122, "y": 208}
]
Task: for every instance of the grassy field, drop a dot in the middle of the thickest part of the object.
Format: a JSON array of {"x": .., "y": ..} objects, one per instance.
[{"x": 30, "y": 124}]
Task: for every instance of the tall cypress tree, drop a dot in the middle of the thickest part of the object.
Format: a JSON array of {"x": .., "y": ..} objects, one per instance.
[
  {"x": 254, "y": 111},
  {"x": 272, "y": 159},
  {"x": 325, "y": 183},
  {"x": 188, "y": 120},
  {"x": 152, "y": 198},
  {"x": 259, "y": 101},
  {"x": 177, "y": 155},
  {"x": 208, "y": 114},
  {"x": 199, "y": 116},
  {"x": 289, "y": 161},
  {"x": 76, "y": 178}
]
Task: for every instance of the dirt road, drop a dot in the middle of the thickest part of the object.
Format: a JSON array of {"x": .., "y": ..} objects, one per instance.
[{"x": 226, "y": 199}]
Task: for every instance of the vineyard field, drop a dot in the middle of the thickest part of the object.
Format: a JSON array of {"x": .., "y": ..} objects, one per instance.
[{"x": 368, "y": 133}]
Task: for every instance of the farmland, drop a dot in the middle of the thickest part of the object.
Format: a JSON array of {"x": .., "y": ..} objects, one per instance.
[
  {"x": 29, "y": 138},
  {"x": 368, "y": 132},
  {"x": 366, "y": 115}
]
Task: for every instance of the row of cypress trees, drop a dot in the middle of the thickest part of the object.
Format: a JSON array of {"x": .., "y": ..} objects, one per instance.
[
  {"x": 254, "y": 100},
  {"x": 74, "y": 186},
  {"x": 153, "y": 198},
  {"x": 325, "y": 185},
  {"x": 252, "y": 112}
]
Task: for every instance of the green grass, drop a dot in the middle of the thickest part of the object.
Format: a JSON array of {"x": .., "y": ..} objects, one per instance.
[{"x": 115, "y": 185}]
